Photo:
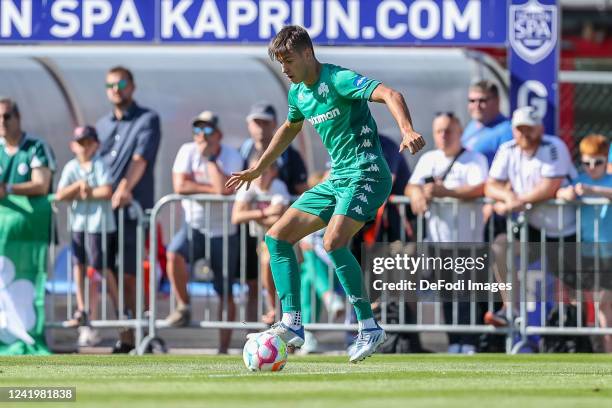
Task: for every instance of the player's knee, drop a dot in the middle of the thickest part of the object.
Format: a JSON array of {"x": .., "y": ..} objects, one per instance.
[{"x": 332, "y": 242}]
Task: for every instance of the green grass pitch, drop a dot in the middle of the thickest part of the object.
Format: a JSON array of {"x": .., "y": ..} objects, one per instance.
[{"x": 382, "y": 381}]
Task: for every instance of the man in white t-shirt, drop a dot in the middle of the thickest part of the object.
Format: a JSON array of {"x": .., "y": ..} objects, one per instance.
[
  {"x": 449, "y": 171},
  {"x": 527, "y": 171},
  {"x": 454, "y": 172},
  {"x": 203, "y": 167}
]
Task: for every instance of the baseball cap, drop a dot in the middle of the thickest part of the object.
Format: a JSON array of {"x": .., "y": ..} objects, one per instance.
[
  {"x": 208, "y": 117},
  {"x": 262, "y": 110},
  {"x": 526, "y": 116},
  {"x": 84, "y": 132}
]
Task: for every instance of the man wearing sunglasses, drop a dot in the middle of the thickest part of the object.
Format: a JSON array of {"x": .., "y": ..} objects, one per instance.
[
  {"x": 203, "y": 167},
  {"x": 26, "y": 162},
  {"x": 489, "y": 128},
  {"x": 129, "y": 139},
  {"x": 526, "y": 171}
]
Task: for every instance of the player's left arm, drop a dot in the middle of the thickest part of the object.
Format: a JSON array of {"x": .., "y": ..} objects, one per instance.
[{"x": 396, "y": 104}]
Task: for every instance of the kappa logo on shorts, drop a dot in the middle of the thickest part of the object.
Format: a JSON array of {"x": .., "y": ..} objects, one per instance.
[
  {"x": 323, "y": 89},
  {"x": 370, "y": 179},
  {"x": 368, "y": 188},
  {"x": 374, "y": 167},
  {"x": 365, "y": 130},
  {"x": 357, "y": 209},
  {"x": 367, "y": 143},
  {"x": 371, "y": 157},
  {"x": 363, "y": 198}
]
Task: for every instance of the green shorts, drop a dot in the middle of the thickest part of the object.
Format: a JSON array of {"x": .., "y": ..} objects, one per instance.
[{"x": 357, "y": 198}]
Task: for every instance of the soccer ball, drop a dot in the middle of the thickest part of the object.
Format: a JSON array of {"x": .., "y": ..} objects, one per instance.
[{"x": 266, "y": 352}]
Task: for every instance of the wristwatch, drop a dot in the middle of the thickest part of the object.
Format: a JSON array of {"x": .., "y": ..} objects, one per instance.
[{"x": 8, "y": 188}]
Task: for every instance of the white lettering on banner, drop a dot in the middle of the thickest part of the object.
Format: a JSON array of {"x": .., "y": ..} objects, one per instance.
[
  {"x": 172, "y": 17},
  {"x": 209, "y": 21},
  {"x": 533, "y": 93},
  {"x": 95, "y": 12},
  {"x": 455, "y": 21},
  {"x": 432, "y": 26},
  {"x": 239, "y": 13},
  {"x": 11, "y": 16},
  {"x": 316, "y": 16},
  {"x": 348, "y": 19},
  {"x": 382, "y": 19},
  {"x": 452, "y": 19},
  {"x": 272, "y": 16},
  {"x": 60, "y": 12},
  {"x": 127, "y": 20}
]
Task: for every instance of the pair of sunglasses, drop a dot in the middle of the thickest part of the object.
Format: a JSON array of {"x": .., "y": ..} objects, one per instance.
[
  {"x": 593, "y": 163},
  {"x": 206, "y": 130},
  {"x": 121, "y": 85}
]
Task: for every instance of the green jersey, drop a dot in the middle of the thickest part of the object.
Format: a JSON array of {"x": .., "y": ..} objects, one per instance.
[
  {"x": 32, "y": 153},
  {"x": 337, "y": 107}
]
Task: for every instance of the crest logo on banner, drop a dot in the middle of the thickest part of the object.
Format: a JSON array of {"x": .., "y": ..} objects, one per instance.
[{"x": 533, "y": 30}]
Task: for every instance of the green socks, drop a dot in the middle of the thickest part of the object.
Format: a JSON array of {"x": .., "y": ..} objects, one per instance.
[
  {"x": 349, "y": 274},
  {"x": 285, "y": 272}
]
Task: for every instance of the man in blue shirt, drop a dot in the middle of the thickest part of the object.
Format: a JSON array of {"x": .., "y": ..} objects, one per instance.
[
  {"x": 488, "y": 128},
  {"x": 129, "y": 140}
]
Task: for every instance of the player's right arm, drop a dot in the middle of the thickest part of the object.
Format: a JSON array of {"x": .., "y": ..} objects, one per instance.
[{"x": 280, "y": 141}]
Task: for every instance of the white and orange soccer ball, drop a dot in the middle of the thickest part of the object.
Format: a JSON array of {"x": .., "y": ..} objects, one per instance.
[{"x": 266, "y": 352}]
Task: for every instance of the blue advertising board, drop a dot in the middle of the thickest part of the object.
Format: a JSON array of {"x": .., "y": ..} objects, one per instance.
[
  {"x": 528, "y": 28},
  {"x": 534, "y": 57}
]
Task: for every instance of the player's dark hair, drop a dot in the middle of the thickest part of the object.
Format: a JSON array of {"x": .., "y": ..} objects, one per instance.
[
  {"x": 486, "y": 86},
  {"x": 290, "y": 38},
  {"x": 122, "y": 71}
]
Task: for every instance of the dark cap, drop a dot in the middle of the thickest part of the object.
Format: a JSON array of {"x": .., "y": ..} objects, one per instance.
[
  {"x": 262, "y": 110},
  {"x": 84, "y": 132},
  {"x": 207, "y": 117}
]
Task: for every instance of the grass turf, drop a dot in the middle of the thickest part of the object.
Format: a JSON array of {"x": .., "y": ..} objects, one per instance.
[{"x": 382, "y": 381}]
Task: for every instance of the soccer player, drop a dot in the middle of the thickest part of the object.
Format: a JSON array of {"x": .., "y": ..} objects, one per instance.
[{"x": 335, "y": 101}]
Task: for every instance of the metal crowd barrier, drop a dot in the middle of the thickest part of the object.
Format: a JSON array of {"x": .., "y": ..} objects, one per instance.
[
  {"x": 428, "y": 315},
  {"x": 61, "y": 289}
]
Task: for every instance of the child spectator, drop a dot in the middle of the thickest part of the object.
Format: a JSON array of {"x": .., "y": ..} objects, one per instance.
[
  {"x": 86, "y": 181},
  {"x": 260, "y": 215},
  {"x": 594, "y": 182}
]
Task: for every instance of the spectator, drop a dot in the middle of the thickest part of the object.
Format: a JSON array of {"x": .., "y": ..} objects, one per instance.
[
  {"x": 27, "y": 163},
  {"x": 450, "y": 171},
  {"x": 594, "y": 182},
  {"x": 129, "y": 140},
  {"x": 85, "y": 181},
  {"x": 250, "y": 207},
  {"x": 261, "y": 122},
  {"x": 202, "y": 167},
  {"x": 526, "y": 171},
  {"x": 488, "y": 128}
]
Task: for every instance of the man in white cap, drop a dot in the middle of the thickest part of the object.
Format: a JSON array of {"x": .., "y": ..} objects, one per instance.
[
  {"x": 527, "y": 171},
  {"x": 203, "y": 167}
]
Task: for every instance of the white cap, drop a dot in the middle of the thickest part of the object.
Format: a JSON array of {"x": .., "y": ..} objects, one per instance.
[{"x": 526, "y": 116}]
